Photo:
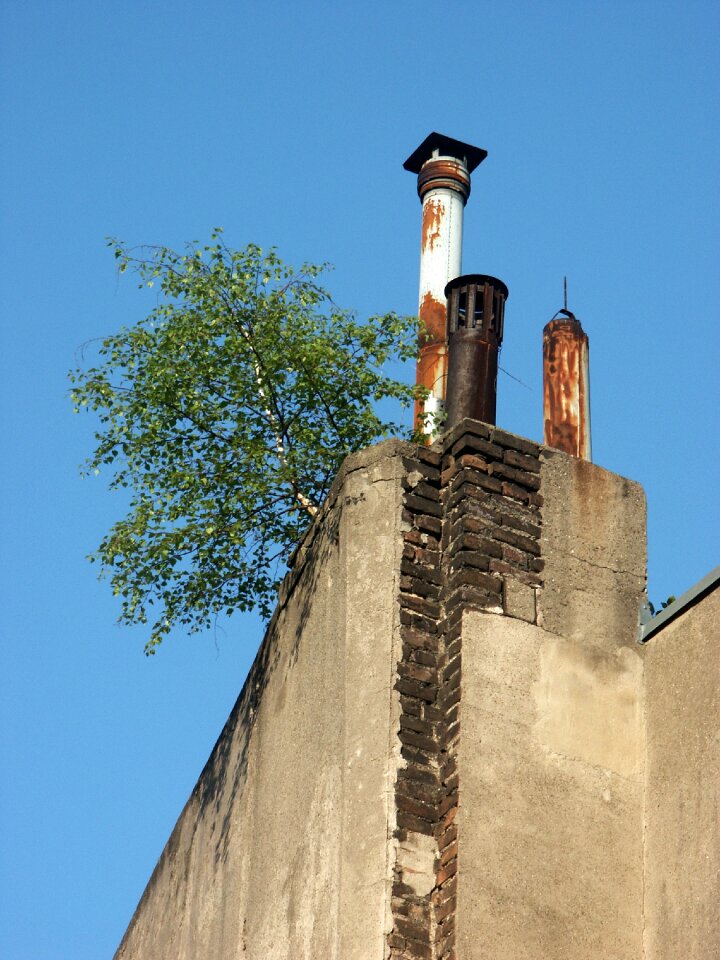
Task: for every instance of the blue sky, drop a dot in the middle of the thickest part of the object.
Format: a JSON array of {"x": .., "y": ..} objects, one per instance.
[{"x": 288, "y": 124}]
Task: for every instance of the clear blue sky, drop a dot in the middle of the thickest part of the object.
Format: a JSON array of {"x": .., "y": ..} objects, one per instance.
[{"x": 287, "y": 123}]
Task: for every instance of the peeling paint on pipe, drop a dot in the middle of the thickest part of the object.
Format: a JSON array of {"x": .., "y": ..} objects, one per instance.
[
  {"x": 566, "y": 387},
  {"x": 443, "y": 168},
  {"x": 443, "y": 199}
]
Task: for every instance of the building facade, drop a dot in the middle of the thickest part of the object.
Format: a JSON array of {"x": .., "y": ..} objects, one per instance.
[{"x": 452, "y": 743}]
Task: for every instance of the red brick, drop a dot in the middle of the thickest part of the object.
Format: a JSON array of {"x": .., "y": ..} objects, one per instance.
[
  {"x": 469, "y": 576},
  {"x": 426, "y": 793},
  {"x": 416, "y": 824},
  {"x": 443, "y": 910},
  {"x": 424, "y": 774},
  {"x": 431, "y": 457},
  {"x": 416, "y": 622},
  {"x": 449, "y": 870},
  {"x": 422, "y": 505},
  {"x": 411, "y": 688},
  {"x": 515, "y": 492},
  {"x": 522, "y": 478},
  {"x": 411, "y": 706},
  {"x": 471, "y": 444},
  {"x": 411, "y": 568},
  {"x": 521, "y": 523},
  {"x": 417, "y": 740},
  {"x": 515, "y": 557},
  {"x": 420, "y": 639},
  {"x": 518, "y": 540},
  {"x": 515, "y": 443},
  {"x": 522, "y": 461},
  {"x": 419, "y": 587},
  {"x": 448, "y": 837}
]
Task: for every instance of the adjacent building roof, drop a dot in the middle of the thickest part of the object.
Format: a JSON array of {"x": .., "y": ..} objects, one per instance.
[{"x": 674, "y": 609}]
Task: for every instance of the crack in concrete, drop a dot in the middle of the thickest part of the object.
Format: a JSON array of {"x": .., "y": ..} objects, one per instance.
[
  {"x": 597, "y": 566},
  {"x": 637, "y": 780}
]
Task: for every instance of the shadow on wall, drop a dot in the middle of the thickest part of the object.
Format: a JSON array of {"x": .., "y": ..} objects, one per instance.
[{"x": 223, "y": 776}]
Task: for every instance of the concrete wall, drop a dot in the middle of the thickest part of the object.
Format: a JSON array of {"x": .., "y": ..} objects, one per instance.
[
  {"x": 284, "y": 848},
  {"x": 682, "y": 828},
  {"x": 551, "y": 753},
  {"x": 452, "y": 744}
]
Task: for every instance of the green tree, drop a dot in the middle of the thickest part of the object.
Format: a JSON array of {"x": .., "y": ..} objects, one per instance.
[{"x": 226, "y": 412}]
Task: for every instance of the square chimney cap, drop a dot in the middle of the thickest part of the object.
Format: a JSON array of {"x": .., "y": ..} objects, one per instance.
[{"x": 446, "y": 147}]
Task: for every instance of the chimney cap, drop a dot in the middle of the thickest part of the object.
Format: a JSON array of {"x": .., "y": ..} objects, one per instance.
[
  {"x": 478, "y": 280},
  {"x": 446, "y": 147}
]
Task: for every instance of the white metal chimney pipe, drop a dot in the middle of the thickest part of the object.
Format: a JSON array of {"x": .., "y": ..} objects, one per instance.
[
  {"x": 443, "y": 166},
  {"x": 440, "y": 262}
]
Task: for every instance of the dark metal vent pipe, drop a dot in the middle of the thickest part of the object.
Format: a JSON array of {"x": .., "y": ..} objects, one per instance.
[{"x": 476, "y": 311}]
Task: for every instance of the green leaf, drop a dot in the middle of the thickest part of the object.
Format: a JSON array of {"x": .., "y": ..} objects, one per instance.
[{"x": 226, "y": 413}]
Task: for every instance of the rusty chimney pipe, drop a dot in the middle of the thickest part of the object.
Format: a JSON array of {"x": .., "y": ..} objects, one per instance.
[
  {"x": 476, "y": 313},
  {"x": 443, "y": 167},
  {"x": 566, "y": 386}
]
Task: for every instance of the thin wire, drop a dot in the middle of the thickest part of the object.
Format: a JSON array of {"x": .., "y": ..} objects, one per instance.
[{"x": 516, "y": 379}]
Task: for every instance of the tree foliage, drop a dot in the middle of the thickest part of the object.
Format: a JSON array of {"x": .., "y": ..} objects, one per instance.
[
  {"x": 666, "y": 603},
  {"x": 226, "y": 412}
]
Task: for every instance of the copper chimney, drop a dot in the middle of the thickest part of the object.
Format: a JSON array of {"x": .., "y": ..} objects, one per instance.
[
  {"x": 476, "y": 312},
  {"x": 566, "y": 385}
]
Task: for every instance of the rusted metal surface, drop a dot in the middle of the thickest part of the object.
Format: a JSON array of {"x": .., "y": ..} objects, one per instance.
[
  {"x": 566, "y": 387},
  {"x": 432, "y": 215},
  {"x": 444, "y": 173},
  {"x": 440, "y": 253},
  {"x": 431, "y": 371},
  {"x": 443, "y": 168},
  {"x": 434, "y": 317},
  {"x": 476, "y": 313}
]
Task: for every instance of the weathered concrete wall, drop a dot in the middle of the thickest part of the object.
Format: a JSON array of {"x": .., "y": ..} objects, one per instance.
[
  {"x": 551, "y": 753},
  {"x": 682, "y": 829},
  {"x": 594, "y": 543},
  {"x": 452, "y": 745},
  {"x": 471, "y": 542},
  {"x": 284, "y": 848}
]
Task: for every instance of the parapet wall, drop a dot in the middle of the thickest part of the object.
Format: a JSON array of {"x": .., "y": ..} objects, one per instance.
[
  {"x": 551, "y": 736},
  {"x": 282, "y": 849},
  {"x": 452, "y": 745},
  {"x": 520, "y": 798},
  {"x": 471, "y": 516}
]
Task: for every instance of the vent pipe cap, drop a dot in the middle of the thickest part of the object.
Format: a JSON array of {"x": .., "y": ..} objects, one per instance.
[
  {"x": 438, "y": 145},
  {"x": 477, "y": 280}
]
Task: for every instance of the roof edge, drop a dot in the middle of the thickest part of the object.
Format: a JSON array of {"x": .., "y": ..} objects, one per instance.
[{"x": 674, "y": 609}]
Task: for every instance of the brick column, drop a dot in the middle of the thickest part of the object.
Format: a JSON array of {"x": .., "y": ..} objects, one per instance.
[{"x": 471, "y": 511}]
